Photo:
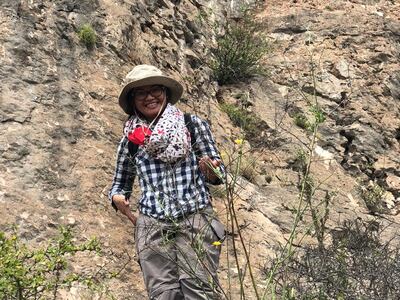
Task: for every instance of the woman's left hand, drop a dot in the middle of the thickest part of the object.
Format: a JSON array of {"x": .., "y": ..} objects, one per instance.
[{"x": 207, "y": 166}]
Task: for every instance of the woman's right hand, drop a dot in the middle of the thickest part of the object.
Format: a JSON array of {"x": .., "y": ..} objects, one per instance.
[
  {"x": 122, "y": 205},
  {"x": 207, "y": 167}
]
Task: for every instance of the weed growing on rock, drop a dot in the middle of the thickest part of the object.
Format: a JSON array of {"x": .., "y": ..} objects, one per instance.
[
  {"x": 301, "y": 120},
  {"x": 248, "y": 168},
  {"x": 356, "y": 265},
  {"x": 40, "y": 273},
  {"x": 240, "y": 117},
  {"x": 217, "y": 192},
  {"x": 239, "y": 51},
  {"x": 372, "y": 195},
  {"x": 87, "y": 35},
  {"x": 203, "y": 15},
  {"x": 240, "y": 162},
  {"x": 251, "y": 124},
  {"x": 299, "y": 163},
  {"x": 308, "y": 203},
  {"x": 318, "y": 114}
]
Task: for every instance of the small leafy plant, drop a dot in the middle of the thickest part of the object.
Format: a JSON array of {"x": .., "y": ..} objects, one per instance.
[
  {"x": 87, "y": 35},
  {"x": 372, "y": 195},
  {"x": 239, "y": 50},
  {"x": 302, "y": 121},
  {"x": 240, "y": 117},
  {"x": 40, "y": 273},
  {"x": 251, "y": 124}
]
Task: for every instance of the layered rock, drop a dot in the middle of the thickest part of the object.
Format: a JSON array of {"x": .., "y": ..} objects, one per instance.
[{"x": 60, "y": 123}]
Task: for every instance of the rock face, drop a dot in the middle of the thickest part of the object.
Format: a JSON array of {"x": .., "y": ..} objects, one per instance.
[
  {"x": 60, "y": 122},
  {"x": 352, "y": 71}
]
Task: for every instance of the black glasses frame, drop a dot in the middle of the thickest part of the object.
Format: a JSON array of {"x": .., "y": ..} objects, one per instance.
[{"x": 155, "y": 91}]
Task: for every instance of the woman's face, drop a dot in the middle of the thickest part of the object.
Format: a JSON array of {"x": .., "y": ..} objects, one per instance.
[{"x": 149, "y": 100}]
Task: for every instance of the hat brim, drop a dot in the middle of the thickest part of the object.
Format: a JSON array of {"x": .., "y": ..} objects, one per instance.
[{"x": 174, "y": 86}]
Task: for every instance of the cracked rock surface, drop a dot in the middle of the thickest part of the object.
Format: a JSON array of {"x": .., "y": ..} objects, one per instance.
[{"x": 60, "y": 122}]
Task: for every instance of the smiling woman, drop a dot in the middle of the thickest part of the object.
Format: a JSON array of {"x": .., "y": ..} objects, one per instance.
[
  {"x": 149, "y": 100},
  {"x": 178, "y": 237},
  {"x": 153, "y": 90}
]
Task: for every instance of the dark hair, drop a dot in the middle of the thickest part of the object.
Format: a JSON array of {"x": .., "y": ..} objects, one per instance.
[
  {"x": 131, "y": 94},
  {"x": 168, "y": 93},
  {"x": 131, "y": 102}
]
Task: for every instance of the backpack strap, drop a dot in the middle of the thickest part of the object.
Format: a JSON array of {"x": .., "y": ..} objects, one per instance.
[
  {"x": 132, "y": 148},
  {"x": 190, "y": 126}
]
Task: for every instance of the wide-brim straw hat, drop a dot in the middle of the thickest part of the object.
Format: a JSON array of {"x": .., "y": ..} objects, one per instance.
[{"x": 142, "y": 75}]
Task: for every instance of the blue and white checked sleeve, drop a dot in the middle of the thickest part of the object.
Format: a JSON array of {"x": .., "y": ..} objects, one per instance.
[
  {"x": 125, "y": 171},
  {"x": 204, "y": 144}
]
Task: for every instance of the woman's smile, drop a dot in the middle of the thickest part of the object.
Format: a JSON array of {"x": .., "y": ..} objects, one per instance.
[
  {"x": 152, "y": 104},
  {"x": 150, "y": 100}
]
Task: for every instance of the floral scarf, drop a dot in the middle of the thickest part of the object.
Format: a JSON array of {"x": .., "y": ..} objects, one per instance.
[{"x": 168, "y": 141}]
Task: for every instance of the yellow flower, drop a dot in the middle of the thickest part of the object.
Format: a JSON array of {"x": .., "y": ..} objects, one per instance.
[
  {"x": 238, "y": 141},
  {"x": 216, "y": 243},
  {"x": 224, "y": 155}
]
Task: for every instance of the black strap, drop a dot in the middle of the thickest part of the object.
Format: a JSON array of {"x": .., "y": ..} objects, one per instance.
[
  {"x": 189, "y": 125},
  {"x": 132, "y": 148}
]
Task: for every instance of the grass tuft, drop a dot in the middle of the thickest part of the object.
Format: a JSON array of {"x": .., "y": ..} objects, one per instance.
[{"x": 87, "y": 35}]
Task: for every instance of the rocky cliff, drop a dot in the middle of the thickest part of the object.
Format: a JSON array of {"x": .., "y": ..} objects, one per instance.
[{"x": 60, "y": 122}]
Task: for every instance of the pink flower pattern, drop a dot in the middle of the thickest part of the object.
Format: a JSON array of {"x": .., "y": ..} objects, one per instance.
[{"x": 169, "y": 140}]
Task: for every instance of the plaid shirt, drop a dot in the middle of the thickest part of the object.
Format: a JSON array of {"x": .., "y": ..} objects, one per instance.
[{"x": 169, "y": 191}]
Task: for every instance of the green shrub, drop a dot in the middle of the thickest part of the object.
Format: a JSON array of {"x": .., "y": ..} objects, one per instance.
[
  {"x": 37, "y": 274},
  {"x": 318, "y": 117},
  {"x": 299, "y": 162},
  {"x": 252, "y": 125},
  {"x": 87, "y": 35},
  {"x": 239, "y": 51},
  {"x": 247, "y": 168},
  {"x": 373, "y": 197},
  {"x": 301, "y": 120},
  {"x": 240, "y": 117}
]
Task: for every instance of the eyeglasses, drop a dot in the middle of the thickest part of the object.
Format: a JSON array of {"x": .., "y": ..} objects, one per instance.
[{"x": 155, "y": 91}]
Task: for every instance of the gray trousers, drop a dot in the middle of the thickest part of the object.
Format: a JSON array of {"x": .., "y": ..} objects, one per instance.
[{"x": 179, "y": 259}]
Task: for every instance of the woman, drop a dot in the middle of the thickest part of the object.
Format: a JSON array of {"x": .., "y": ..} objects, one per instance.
[{"x": 177, "y": 235}]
